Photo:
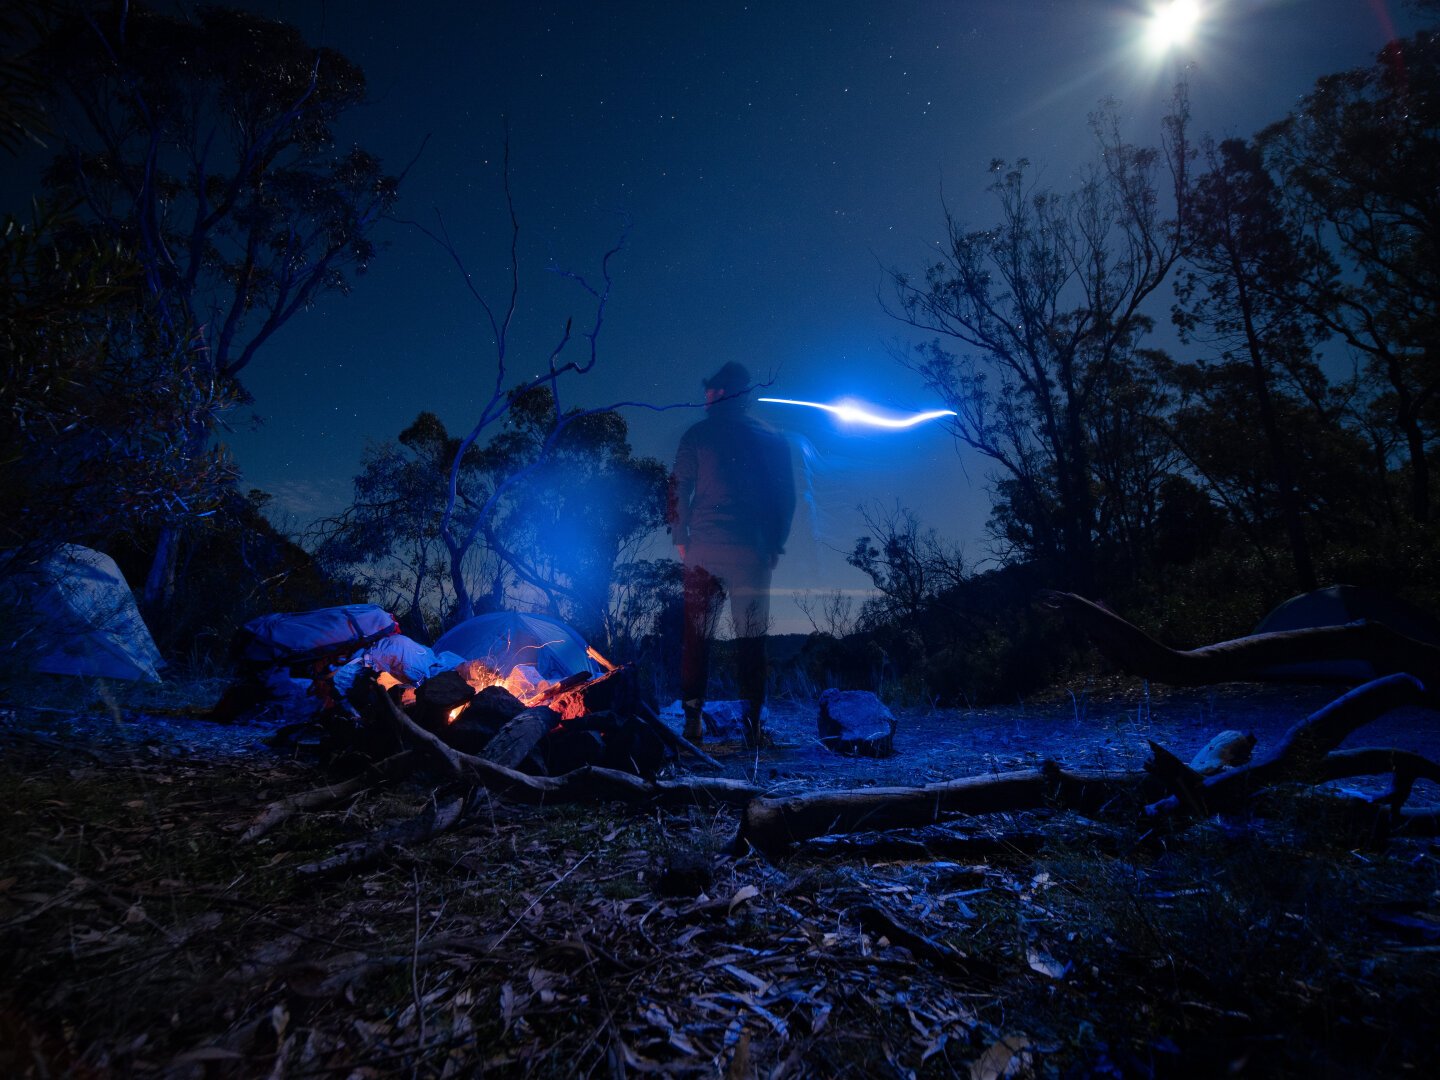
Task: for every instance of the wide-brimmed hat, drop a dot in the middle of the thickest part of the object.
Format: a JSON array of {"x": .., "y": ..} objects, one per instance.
[{"x": 732, "y": 378}]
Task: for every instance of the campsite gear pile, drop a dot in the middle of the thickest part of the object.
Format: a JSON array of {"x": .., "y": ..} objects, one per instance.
[{"x": 524, "y": 691}]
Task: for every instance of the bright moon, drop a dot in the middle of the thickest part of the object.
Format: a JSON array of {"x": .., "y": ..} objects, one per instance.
[{"x": 1173, "y": 24}]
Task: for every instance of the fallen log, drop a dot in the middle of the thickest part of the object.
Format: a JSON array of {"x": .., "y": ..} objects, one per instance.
[
  {"x": 1246, "y": 659},
  {"x": 773, "y": 824}
]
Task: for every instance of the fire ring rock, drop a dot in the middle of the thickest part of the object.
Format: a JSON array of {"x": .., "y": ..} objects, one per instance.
[{"x": 856, "y": 722}]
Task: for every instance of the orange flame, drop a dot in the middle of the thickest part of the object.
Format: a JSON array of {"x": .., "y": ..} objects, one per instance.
[{"x": 480, "y": 675}]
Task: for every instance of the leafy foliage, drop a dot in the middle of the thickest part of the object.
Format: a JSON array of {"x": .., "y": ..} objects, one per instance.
[
  {"x": 98, "y": 407},
  {"x": 1357, "y": 161},
  {"x": 1046, "y": 308},
  {"x": 203, "y": 147}
]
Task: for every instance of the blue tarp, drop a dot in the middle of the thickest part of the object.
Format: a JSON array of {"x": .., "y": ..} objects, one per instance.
[{"x": 301, "y": 636}]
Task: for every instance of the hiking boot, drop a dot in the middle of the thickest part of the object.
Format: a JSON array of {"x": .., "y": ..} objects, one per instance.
[
  {"x": 694, "y": 728},
  {"x": 753, "y": 736},
  {"x": 758, "y": 739}
]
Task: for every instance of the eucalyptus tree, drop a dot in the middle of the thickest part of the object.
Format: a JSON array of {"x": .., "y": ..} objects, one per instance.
[
  {"x": 387, "y": 541},
  {"x": 1037, "y": 325},
  {"x": 205, "y": 145},
  {"x": 1357, "y": 161},
  {"x": 584, "y": 505},
  {"x": 1235, "y": 298}
]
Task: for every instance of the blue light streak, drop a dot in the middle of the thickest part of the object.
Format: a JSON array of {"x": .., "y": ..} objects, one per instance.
[{"x": 854, "y": 412}]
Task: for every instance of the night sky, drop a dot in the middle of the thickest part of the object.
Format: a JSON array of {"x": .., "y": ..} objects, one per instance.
[{"x": 775, "y": 159}]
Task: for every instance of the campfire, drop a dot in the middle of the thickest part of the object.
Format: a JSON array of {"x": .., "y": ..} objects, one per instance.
[
  {"x": 522, "y": 691},
  {"x": 522, "y": 720}
]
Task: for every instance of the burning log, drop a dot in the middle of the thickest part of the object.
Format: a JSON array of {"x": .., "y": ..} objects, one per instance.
[
  {"x": 582, "y": 785},
  {"x": 479, "y": 721},
  {"x": 440, "y": 699},
  {"x": 519, "y": 739}
]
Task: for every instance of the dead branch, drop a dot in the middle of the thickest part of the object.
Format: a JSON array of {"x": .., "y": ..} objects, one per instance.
[
  {"x": 1302, "y": 753},
  {"x": 874, "y": 919},
  {"x": 885, "y": 847},
  {"x": 590, "y": 783},
  {"x": 1179, "y": 778},
  {"x": 677, "y": 742},
  {"x": 439, "y": 815},
  {"x": 282, "y": 810},
  {"x": 1404, "y": 766},
  {"x": 1247, "y": 658}
]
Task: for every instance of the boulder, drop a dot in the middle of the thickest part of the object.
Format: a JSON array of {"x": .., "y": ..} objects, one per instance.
[{"x": 856, "y": 722}]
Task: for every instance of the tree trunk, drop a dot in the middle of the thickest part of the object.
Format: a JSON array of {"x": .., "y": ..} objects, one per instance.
[{"x": 159, "y": 592}]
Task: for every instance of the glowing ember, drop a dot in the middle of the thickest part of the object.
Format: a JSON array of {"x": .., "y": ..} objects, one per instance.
[
  {"x": 525, "y": 683},
  {"x": 455, "y": 713},
  {"x": 569, "y": 706}
]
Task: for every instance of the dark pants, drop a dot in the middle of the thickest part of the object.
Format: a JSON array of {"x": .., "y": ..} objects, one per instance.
[{"x": 713, "y": 573}]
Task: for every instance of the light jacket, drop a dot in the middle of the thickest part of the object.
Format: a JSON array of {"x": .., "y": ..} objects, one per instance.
[{"x": 732, "y": 482}]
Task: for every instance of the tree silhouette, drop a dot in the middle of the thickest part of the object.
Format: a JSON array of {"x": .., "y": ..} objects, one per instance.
[
  {"x": 1357, "y": 161},
  {"x": 1234, "y": 294},
  {"x": 1045, "y": 308},
  {"x": 205, "y": 145}
]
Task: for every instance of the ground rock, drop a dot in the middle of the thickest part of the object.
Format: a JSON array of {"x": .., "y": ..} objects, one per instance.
[
  {"x": 1224, "y": 751},
  {"x": 856, "y": 722},
  {"x": 684, "y": 873}
]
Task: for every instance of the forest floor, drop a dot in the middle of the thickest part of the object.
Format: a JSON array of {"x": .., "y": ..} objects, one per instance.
[{"x": 140, "y": 936}]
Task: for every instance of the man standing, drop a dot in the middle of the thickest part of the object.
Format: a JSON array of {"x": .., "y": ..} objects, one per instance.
[{"x": 732, "y": 498}]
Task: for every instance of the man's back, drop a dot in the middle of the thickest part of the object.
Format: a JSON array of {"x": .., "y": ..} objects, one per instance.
[{"x": 733, "y": 482}]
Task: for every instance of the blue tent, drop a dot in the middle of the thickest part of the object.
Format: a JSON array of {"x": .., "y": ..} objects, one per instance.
[
  {"x": 504, "y": 639},
  {"x": 90, "y": 624}
]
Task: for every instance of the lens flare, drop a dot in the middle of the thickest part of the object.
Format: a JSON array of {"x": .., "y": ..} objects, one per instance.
[
  {"x": 1172, "y": 23},
  {"x": 855, "y": 412}
]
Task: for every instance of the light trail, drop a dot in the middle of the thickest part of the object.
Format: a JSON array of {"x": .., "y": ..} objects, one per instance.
[{"x": 853, "y": 413}]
